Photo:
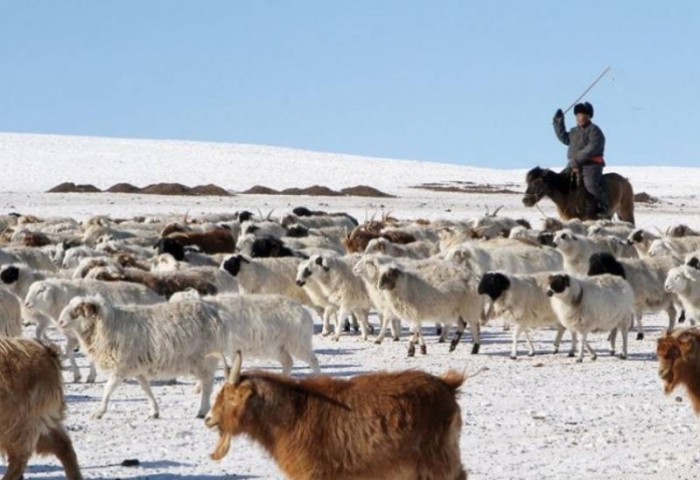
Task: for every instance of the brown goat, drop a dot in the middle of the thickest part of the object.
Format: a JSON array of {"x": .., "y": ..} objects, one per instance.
[
  {"x": 357, "y": 240},
  {"x": 402, "y": 425},
  {"x": 36, "y": 239},
  {"x": 32, "y": 407},
  {"x": 219, "y": 240},
  {"x": 679, "y": 362},
  {"x": 165, "y": 284}
]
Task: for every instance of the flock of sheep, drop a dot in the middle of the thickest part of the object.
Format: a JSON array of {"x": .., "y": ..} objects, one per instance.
[{"x": 149, "y": 298}]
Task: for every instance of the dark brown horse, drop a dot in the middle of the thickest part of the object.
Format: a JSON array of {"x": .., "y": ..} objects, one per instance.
[{"x": 571, "y": 198}]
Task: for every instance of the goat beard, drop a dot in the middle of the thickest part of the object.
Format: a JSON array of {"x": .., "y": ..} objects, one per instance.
[{"x": 222, "y": 447}]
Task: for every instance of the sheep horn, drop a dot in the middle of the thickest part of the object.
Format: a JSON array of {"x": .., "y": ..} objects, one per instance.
[
  {"x": 495, "y": 212},
  {"x": 235, "y": 375}
]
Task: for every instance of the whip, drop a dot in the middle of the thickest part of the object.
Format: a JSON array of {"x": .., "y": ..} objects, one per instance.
[{"x": 588, "y": 89}]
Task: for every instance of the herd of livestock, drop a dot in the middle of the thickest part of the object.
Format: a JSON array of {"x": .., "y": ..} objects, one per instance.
[{"x": 160, "y": 297}]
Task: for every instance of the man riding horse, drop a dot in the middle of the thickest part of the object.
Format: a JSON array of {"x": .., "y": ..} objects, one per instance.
[{"x": 586, "y": 146}]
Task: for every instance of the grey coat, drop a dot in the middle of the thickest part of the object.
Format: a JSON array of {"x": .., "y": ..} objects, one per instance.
[{"x": 584, "y": 142}]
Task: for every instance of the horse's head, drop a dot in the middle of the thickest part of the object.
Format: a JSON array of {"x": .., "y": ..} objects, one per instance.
[{"x": 537, "y": 186}]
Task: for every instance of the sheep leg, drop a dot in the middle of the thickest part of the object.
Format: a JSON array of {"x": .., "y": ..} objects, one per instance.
[
  {"x": 384, "y": 323},
  {"x": 514, "y": 348},
  {"x": 681, "y": 319},
  {"x": 341, "y": 315},
  {"x": 589, "y": 348},
  {"x": 612, "y": 337},
  {"x": 475, "y": 329},
  {"x": 310, "y": 358},
  {"x": 326, "y": 329},
  {"x": 530, "y": 346},
  {"x": 581, "y": 347},
  {"x": 623, "y": 331},
  {"x": 557, "y": 339},
  {"x": 671, "y": 311},
  {"x": 286, "y": 360},
  {"x": 365, "y": 327},
  {"x": 112, "y": 382},
  {"x": 57, "y": 442},
  {"x": 444, "y": 332},
  {"x": 146, "y": 387},
  {"x": 640, "y": 327},
  {"x": 205, "y": 374},
  {"x": 421, "y": 342},
  {"x": 71, "y": 343},
  {"x": 92, "y": 375},
  {"x": 572, "y": 350},
  {"x": 395, "y": 329},
  {"x": 438, "y": 330},
  {"x": 412, "y": 341},
  {"x": 461, "y": 324},
  {"x": 15, "y": 466}
]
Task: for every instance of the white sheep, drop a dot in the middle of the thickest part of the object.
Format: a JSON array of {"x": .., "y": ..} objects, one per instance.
[
  {"x": 641, "y": 240},
  {"x": 646, "y": 277},
  {"x": 577, "y": 249},
  {"x": 521, "y": 299},
  {"x": 593, "y": 304},
  {"x": 17, "y": 278},
  {"x": 454, "y": 300},
  {"x": 515, "y": 257},
  {"x": 415, "y": 250},
  {"x": 673, "y": 246},
  {"x": 342, "y": 288},
  {"x": 267, "y": 326},
  {"x": 368, "y": 270},
  {"x": 683, "y": 281},
  {"x": 314, "y": 290},
  {"x": 266, "y": 276},
  {"x": 50, "y": 296},
  {"x": 144, "y": 342},
  {"x": 10, "y": 315},
  {"x": 32, "y": 257}
]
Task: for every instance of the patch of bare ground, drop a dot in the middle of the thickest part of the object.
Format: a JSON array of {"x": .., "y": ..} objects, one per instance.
[
  {"x": 468, "y": 187},
  {"x": 153, "y": 189}
]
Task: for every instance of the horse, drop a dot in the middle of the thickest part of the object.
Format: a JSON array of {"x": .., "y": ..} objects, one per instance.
[{"x": 571, "y": 198}]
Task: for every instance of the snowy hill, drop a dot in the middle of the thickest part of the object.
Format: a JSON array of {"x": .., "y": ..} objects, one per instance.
[{"x": 35, "y": 163}]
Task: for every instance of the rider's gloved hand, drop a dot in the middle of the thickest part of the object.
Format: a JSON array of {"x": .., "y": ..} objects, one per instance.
[{"x": 559, "y": 116}]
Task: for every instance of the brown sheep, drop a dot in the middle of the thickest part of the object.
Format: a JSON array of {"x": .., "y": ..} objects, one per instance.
[
  {"x": 679, "y": 362},
  {"x": 219, "y": 240},
  {"x": 165, "y": 284},
  {"x": 384, "y": 425},
  {"x": 32, "y": 407}
]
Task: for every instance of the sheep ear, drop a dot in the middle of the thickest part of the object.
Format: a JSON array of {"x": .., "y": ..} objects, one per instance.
[
  {"x": 235, "y": 376},
  {"x": 88, "y": 309}
]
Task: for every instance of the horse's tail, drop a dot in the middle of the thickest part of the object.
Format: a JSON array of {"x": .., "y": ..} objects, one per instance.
[{"x": 626, "y": 207}]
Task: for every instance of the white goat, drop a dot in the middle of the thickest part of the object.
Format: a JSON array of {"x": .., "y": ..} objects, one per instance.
[
  {"x": 593, "y": 304},
  {"x": 145, "y": 342},
  {"x": 368, "y": 270},
  {"x": 684, "y": 282}
]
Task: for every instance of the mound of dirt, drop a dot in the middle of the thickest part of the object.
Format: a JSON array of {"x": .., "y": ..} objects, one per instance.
[
  {"x": 211, "y": 189},
  {"x": 70, "y": 187},
  {"x": 644, "y": 197},
  {"x": 365, "y": 191},
  {"x": 261, "y": 190},
  {"x": 166, "y": 189},
  {"x": 123, "y": 188},
  {"x": 315, "y": 191}
]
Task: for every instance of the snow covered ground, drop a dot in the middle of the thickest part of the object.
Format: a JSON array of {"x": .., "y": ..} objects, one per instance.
[{"x": 543, "y": 417}]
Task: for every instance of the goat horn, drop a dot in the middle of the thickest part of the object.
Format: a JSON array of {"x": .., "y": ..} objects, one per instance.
[
  {"x": 495, "y": 212},
  {"x": 260, "y": 214},
  {"x": 235, "y": 375},
  {"x": 269, "y": 214}
]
